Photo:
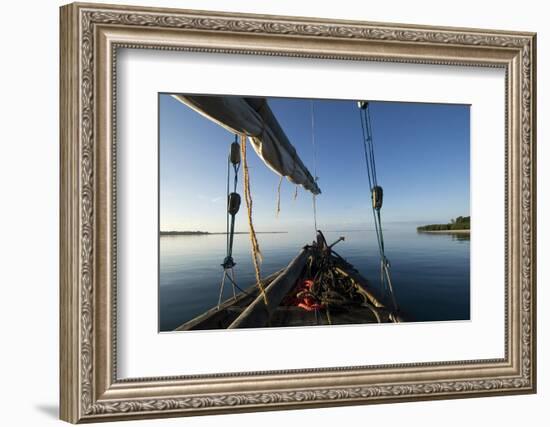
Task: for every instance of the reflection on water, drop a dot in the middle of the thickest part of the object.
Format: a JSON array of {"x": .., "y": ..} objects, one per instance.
[
  {"x": 461, "y": 236},
  {"x": 430, "y": 271},
  {"x": 452, "y": 234}
]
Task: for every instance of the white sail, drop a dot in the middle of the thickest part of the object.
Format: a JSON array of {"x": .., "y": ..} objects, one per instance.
[{"x": 254, "y": 118}]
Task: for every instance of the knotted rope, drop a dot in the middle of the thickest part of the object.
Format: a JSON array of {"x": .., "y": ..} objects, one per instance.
[{"x": 256, "y": 253}]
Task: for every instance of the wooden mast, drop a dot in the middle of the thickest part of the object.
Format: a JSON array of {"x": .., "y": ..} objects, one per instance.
[{"x": 257, "y": 314}]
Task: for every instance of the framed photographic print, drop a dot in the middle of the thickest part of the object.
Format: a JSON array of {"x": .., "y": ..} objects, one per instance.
[{"x": 264, "y": 212}]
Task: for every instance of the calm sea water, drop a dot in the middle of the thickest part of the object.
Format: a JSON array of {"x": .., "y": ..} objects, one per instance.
[{"x": 430, "y": 272}]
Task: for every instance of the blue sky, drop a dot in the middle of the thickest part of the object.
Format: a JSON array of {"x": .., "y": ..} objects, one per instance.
[{"x": 422, "y": 159}]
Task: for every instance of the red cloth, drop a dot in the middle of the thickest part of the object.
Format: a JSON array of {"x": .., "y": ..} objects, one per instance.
[{"x": 306, "y": 301}]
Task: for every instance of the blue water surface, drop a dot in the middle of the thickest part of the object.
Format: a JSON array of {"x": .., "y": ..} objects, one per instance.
[{"x": 430, "y": 272}]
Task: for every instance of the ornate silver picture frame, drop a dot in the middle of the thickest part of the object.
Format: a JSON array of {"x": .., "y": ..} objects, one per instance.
[{"x": 91, "y": 36}]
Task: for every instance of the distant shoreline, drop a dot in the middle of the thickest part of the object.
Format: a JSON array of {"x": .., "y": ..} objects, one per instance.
[
  {"x": 208, "y": 233},
  {"x": 458, "y": 225},
  {"x": 445, "y": 231}
]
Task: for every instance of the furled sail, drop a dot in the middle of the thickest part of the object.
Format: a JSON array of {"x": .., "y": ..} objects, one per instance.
[{"x": 254, "y": 118}]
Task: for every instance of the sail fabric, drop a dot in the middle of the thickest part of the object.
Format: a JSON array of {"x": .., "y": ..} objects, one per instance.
[{"x": 253, "y": 117}]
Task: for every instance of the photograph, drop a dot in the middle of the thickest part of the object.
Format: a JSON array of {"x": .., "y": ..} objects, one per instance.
[
  {"x": 346, "y": 208},
  {"x": 288, "y": 212}
]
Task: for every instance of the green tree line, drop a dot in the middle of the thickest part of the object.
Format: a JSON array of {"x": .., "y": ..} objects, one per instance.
[{"x": 458, "y": 223}]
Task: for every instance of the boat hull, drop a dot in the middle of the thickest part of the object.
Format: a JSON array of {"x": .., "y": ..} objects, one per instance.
[{"x": 251, "y": 309}]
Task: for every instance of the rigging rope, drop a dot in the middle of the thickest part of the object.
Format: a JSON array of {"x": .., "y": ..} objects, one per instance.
[
  {"x": 233, "y": 204},
  {"x": 376, "y": 195},
  {"x": 229, "y": 230},
  {"x": 227, "y": 212},
  {"x": 256, "y": 253},
  {"x": 314, "y": 164},
  {"x": 279, "y": 197}
]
